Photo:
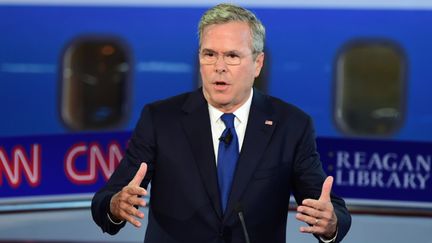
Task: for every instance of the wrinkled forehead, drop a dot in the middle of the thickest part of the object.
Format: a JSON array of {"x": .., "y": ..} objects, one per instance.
[{"x": 235, "y": 35}]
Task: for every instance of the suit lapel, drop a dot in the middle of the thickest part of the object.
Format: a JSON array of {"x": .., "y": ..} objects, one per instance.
[
  {"x": 259, "y": 130},
  {"x": 196, "y": 123}
]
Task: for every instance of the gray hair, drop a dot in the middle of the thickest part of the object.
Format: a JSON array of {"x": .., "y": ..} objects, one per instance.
[{"x": 224, "y": 13}]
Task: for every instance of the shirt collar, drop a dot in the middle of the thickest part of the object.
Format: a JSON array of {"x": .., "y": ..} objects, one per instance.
[{"x": 242, "y": 113}]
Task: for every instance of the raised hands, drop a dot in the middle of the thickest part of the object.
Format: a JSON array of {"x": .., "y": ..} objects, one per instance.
[
  {"x": 319, "y": 214},
  {"x": 122, "y": 205}
]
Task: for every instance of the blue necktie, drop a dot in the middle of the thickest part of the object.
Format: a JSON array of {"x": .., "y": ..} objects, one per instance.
[{"x": 227, "y": 157}]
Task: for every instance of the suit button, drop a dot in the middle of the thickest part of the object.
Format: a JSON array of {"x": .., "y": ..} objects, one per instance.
[{"x": 225, "y": 233}]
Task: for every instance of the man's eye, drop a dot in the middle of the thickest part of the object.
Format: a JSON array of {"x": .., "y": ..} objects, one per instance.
[
  {"x": 232, "y": 56},
  {"x": 209, "y": 54}
]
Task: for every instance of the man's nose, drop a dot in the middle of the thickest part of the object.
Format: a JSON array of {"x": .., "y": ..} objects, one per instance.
[{"x": 220, "y": 65}]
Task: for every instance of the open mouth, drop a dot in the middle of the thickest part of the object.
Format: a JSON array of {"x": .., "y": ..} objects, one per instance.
[{"x": 221, "y": 83}]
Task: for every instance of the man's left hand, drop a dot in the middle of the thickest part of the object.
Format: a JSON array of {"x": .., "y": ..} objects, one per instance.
[{"x": 319, "y": 214}]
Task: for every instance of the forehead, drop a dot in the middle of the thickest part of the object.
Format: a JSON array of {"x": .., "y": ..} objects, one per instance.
[{"x": 228, "y": 36}]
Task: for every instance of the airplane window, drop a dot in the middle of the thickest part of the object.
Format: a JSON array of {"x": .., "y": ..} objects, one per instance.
[
  {"x": 370, "y": 82},
  {"x": 95, "y": 81}
]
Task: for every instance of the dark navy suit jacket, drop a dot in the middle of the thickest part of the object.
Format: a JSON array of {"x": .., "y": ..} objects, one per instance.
[{"x": 173, "y": 137}]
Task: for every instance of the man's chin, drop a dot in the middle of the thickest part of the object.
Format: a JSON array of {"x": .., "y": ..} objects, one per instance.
[{"x": 218, "y": 103}]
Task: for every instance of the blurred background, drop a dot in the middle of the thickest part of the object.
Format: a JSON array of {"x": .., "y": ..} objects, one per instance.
[{"x": 74, "y": 76}]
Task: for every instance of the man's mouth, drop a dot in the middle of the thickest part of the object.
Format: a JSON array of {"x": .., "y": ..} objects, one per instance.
[{"x": 220, "y": 83}]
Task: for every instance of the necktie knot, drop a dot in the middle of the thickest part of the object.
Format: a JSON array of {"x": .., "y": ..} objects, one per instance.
[{"x": 228, "y": 119}]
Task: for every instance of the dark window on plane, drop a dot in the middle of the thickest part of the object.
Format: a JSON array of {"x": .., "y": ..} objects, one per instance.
[
  {"x": 95, "y": 82},
  {"x": 370, "y": 88}
]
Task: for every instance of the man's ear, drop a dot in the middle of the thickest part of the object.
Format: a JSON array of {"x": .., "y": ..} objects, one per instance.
[{"x": 259, "y": 62}]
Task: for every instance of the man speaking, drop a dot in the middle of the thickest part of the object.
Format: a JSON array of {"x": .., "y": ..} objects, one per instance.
[{"x": 223, "y": 160}]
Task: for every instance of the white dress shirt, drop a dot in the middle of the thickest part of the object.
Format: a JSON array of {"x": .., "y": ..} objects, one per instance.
[{"x": 240, "y": 123}]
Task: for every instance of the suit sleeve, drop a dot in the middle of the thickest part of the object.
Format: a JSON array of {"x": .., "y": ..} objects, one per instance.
[
  {"x": 309, "y": 177},
  {"x": 141, "y": 148}
]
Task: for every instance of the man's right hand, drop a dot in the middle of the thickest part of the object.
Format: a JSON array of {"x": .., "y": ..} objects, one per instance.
[{"x": 122, "y": 203}]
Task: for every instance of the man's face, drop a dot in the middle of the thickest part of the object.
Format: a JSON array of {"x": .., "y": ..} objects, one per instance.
[{"x": 227, "y": 87}]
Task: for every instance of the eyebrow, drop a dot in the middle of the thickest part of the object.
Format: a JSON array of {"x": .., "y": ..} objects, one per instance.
[
  {"x": 225, "y": 52},
  {"x": 207, "y": 50}
]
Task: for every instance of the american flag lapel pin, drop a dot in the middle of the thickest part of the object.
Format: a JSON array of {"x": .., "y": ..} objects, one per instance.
[{"x": 269, "y": 122}]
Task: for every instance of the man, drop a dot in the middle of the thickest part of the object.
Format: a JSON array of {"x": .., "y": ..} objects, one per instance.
[{"x": 223, "y": 160}]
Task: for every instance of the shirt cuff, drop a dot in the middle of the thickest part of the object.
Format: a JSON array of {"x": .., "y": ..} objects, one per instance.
[
  {"x": 114, "y": 222},
  {"x": 331, "y": 240}
]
